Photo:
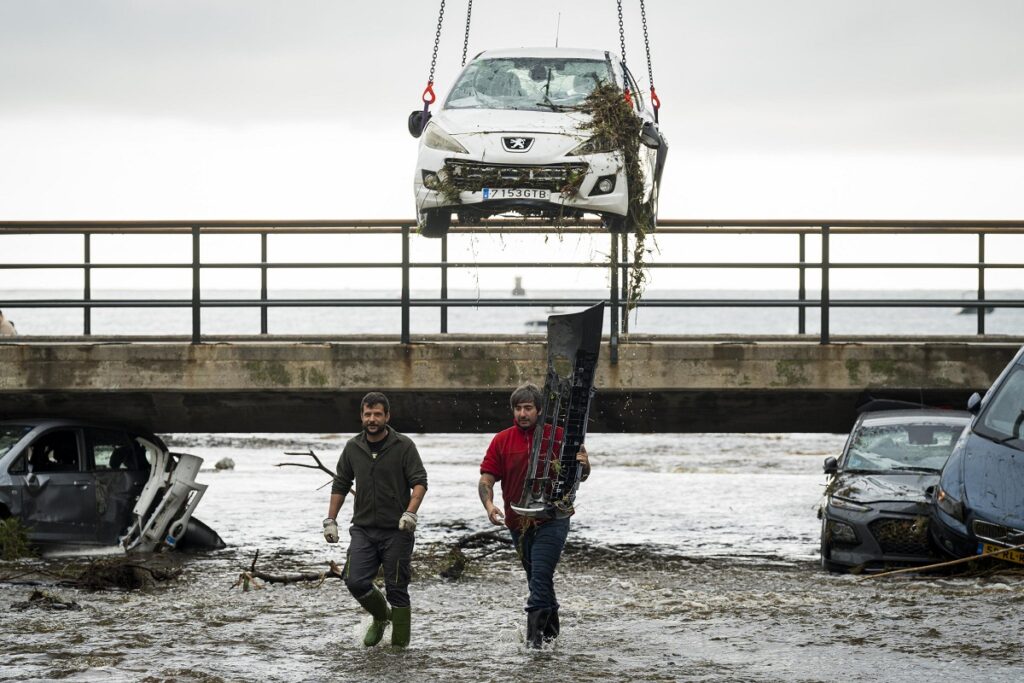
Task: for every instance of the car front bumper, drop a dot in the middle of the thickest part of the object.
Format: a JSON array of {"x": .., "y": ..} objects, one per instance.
[{"x": 895, "y": 534}]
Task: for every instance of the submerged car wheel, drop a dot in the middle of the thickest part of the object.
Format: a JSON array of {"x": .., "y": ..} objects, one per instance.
[
  {"x": 615, "y": 223},
  {"x": 435, "y": 223}
]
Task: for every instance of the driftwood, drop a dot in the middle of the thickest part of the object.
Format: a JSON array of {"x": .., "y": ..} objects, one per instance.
[
  {"x": 456, "y": 561},
  {"x": 318, "y": 466},
  {"x": 252, "y": 578},
  {"x": 107, "y": 574}
]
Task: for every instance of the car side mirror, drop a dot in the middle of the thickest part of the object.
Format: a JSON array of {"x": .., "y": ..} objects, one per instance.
[
  {"x": 974, "y": 403},
  {"x": 649, "y": 135},
  {"x": 417, "y": 122},
  {"x": 831, "y": 465}
]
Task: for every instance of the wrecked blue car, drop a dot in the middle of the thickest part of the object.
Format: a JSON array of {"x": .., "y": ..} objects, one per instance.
[
  {"x": 979, "y": 503},
  {"x": 74, "y": 484}
]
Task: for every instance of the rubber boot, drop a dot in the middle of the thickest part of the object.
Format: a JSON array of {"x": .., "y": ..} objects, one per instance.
[
  {"x": 376, "y": 604},
  {"x": 551, "y": 629},
  {"x": 536, "y": 622},
  {"x": 400, "y": 618}
]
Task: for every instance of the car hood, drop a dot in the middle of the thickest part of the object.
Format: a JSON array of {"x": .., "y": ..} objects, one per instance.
[
  {"x": 993, "y": 481},
  {"x": 905, "y": 487},
  {"x": 474, "y": 121}
]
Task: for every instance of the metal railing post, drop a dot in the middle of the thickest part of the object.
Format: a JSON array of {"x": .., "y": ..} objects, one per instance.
[
  {"x": 824, "y": 285},
  {"x": 405, "y": 284},
  {"x": 263, "y": 282},
  {"x": 613, "y": 337},
  {"x": 444, "y": 284},
  {"x": 625, "y": 281},
  {"x": 87, "y": 288},
  {"x": 802, "y": 289},
  {"x": 196, "y": 289},
  {"x": 981, "y": 282}
]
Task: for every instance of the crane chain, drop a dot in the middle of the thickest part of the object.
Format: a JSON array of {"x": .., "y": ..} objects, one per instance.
[
  {"x": 622, "y": 33},
  {"x": 437, "y": 41},
  {"x": 465, "y": 42},
  {"x": 647, "y": 44}
]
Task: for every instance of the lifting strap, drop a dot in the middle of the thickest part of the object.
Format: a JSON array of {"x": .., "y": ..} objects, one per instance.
[
  {"x": 465, "y": 42},
  {"x": 428, "y": 93}
]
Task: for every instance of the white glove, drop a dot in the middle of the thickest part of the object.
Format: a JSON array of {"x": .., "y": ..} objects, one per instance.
[
  {"x": 407, "y": 522},
  {"x": 331, "y": 530}
]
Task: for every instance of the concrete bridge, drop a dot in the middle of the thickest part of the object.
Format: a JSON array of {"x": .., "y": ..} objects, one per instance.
[{"x": 461, "y": 384}]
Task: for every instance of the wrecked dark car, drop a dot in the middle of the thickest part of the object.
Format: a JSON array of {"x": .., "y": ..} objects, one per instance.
[
  {"x": 74, "y": 484},
  {"x": 978, "y": 505},
  {"x": 875, "y": 512}
]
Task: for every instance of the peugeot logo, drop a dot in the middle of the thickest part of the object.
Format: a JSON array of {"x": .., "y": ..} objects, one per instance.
[{"x": 517, "y": 144}]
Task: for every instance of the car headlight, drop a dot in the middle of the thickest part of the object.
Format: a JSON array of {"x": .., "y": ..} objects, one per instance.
[
  {"x": 435, "y": 138},
  {"x": 595, "y": 145},
  {"x": 840, "y": 532},
  {"x": 950, "y": 505},
  {"x": 844, "y": 504}
]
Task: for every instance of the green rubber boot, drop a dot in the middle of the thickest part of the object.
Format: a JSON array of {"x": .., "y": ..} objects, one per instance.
[
  {"x": 400, "y": 618},
  {"x": 376, "y": 604}
]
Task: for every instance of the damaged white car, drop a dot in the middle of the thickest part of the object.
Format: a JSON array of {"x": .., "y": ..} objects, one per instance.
[
  {"x": 74, "y": 484},
  {"x": 510, "y": 138}
]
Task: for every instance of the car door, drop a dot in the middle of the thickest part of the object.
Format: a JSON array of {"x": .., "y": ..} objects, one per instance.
[
  {"x": 58, "y": 494},
  {"x": 118, "y": 465}
]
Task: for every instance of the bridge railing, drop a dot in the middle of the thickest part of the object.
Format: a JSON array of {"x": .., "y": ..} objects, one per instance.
[{"x": 618, "y": 266}]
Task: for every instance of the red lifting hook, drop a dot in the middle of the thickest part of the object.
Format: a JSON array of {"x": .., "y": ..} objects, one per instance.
[
  {"x": 429, "y": 91},
  {"x": 654, "y": 100},
  {"x": 629, "y": 98}
]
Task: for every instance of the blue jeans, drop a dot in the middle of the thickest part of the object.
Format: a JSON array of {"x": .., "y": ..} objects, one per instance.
[{"x": 541, "y": 548}]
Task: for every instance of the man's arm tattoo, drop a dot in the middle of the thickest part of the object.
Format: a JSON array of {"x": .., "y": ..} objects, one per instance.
[{"x": 486, "y": 491}]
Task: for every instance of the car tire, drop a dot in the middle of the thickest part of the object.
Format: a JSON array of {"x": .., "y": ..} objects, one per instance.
[
  {"x": 435, "y": 223},
  {"x": 616, "y": 224},
  {"x": 825, "y": 550}
]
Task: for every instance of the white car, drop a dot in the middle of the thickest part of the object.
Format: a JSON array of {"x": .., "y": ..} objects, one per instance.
[{"x": 508, "y": 138}]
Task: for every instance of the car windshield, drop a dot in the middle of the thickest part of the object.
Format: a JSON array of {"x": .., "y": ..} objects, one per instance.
[
  {"x": 10, "y": 435},
  {"x": 1003, "y": 419},
  {"x": 902, "y": 447},
  {"x": 530, "y": 83}
]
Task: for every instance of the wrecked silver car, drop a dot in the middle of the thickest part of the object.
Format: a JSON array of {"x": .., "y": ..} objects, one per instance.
[
  {"x": 78, "y": 484},
  {"x": 875, "y": 512}
]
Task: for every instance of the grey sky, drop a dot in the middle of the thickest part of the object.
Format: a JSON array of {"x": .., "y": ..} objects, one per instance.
[{"x": 253, "y": 108}]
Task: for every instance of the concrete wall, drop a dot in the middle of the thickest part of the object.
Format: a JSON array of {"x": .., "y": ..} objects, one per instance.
[{"x": 666, "y": 386}]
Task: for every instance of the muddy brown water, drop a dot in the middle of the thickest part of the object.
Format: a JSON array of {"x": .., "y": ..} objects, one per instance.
[{"x": 692, "y": 558}]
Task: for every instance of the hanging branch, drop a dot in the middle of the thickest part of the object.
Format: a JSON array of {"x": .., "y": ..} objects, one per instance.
[{"x": 318, "y": 466}]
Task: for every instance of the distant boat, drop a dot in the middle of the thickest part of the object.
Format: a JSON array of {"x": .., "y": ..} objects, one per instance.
[
  {"x": 541, "y": 324},
  {"x": 974, "y": 309}
]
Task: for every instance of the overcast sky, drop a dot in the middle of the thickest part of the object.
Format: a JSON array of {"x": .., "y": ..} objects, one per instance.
[{"x": 228, "y": 109}]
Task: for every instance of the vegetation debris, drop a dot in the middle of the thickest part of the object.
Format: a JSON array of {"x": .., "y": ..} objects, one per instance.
[
  {"x": 44, "y": 600},
  {"x": 14, "y": 542}
]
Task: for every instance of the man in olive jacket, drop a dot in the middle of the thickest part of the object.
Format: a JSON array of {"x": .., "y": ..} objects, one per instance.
[{"x": 390, "y": 484}]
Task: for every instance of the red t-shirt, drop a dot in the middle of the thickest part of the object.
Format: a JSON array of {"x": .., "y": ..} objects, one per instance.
[{"x": 508, "y": 460}]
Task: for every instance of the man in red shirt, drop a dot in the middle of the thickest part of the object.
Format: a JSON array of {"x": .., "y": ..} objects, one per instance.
[{"x": 539, "y": 542}]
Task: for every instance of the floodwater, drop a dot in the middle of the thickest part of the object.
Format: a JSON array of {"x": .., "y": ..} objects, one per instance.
[{"x": 691, "y": 558}]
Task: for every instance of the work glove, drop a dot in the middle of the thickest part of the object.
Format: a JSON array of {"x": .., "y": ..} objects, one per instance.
[
  {"x": 407, "y": 522},
  {"x": 331, "y": 530}
]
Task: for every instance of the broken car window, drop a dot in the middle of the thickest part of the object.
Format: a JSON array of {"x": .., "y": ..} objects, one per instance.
[
  {"x": 534, "y": 83},
  {"x": 887, "y": 448},
  {"x": 10, "y": 435}
]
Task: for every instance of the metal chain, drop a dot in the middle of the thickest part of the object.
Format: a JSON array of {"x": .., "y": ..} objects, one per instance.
[
  {"x": 437, "y": 41},
  {"x": 622, "y": 33},
  {"x": 647, "y": 45},
  {"x": 465, "y": 43}
]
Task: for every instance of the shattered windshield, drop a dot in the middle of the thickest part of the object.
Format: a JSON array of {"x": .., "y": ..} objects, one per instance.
[
  {"x": 1004, "y": 417},
  {"x": 902, "y": 447},
  {"x": 529, "y": 83},
  {"x": 10, "y": 435}
]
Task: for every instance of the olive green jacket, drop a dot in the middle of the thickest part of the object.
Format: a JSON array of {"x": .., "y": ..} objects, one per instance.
[{"x": 383, "y": 486}]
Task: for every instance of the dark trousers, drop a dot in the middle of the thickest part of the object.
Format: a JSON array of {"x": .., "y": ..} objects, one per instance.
[
  {"x": 370, "y": 549},
  {"x": 540, "y": 549}
]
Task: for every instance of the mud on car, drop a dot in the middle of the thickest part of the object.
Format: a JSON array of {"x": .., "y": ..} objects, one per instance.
[
  {"x": 876, "y": 508},
  {"x": 80, "y": 485},
  {"x": 510, "y": 137}
]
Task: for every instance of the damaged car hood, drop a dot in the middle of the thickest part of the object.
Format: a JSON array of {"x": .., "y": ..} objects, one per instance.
[
  {"x": 904, "y": 487},
  {"x": 474, "y": 121}
]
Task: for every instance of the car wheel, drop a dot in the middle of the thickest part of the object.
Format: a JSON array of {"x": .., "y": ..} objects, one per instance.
[
  {"x": 435, "y": 223},
  {"x": 825, "y": 551},
  {"x": 615, "y": 223}
]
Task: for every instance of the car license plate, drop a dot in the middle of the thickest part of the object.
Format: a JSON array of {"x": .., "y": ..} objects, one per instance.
[
  {"x": 515, "y": 193},
  {"x": 1010, "y": 555}
]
